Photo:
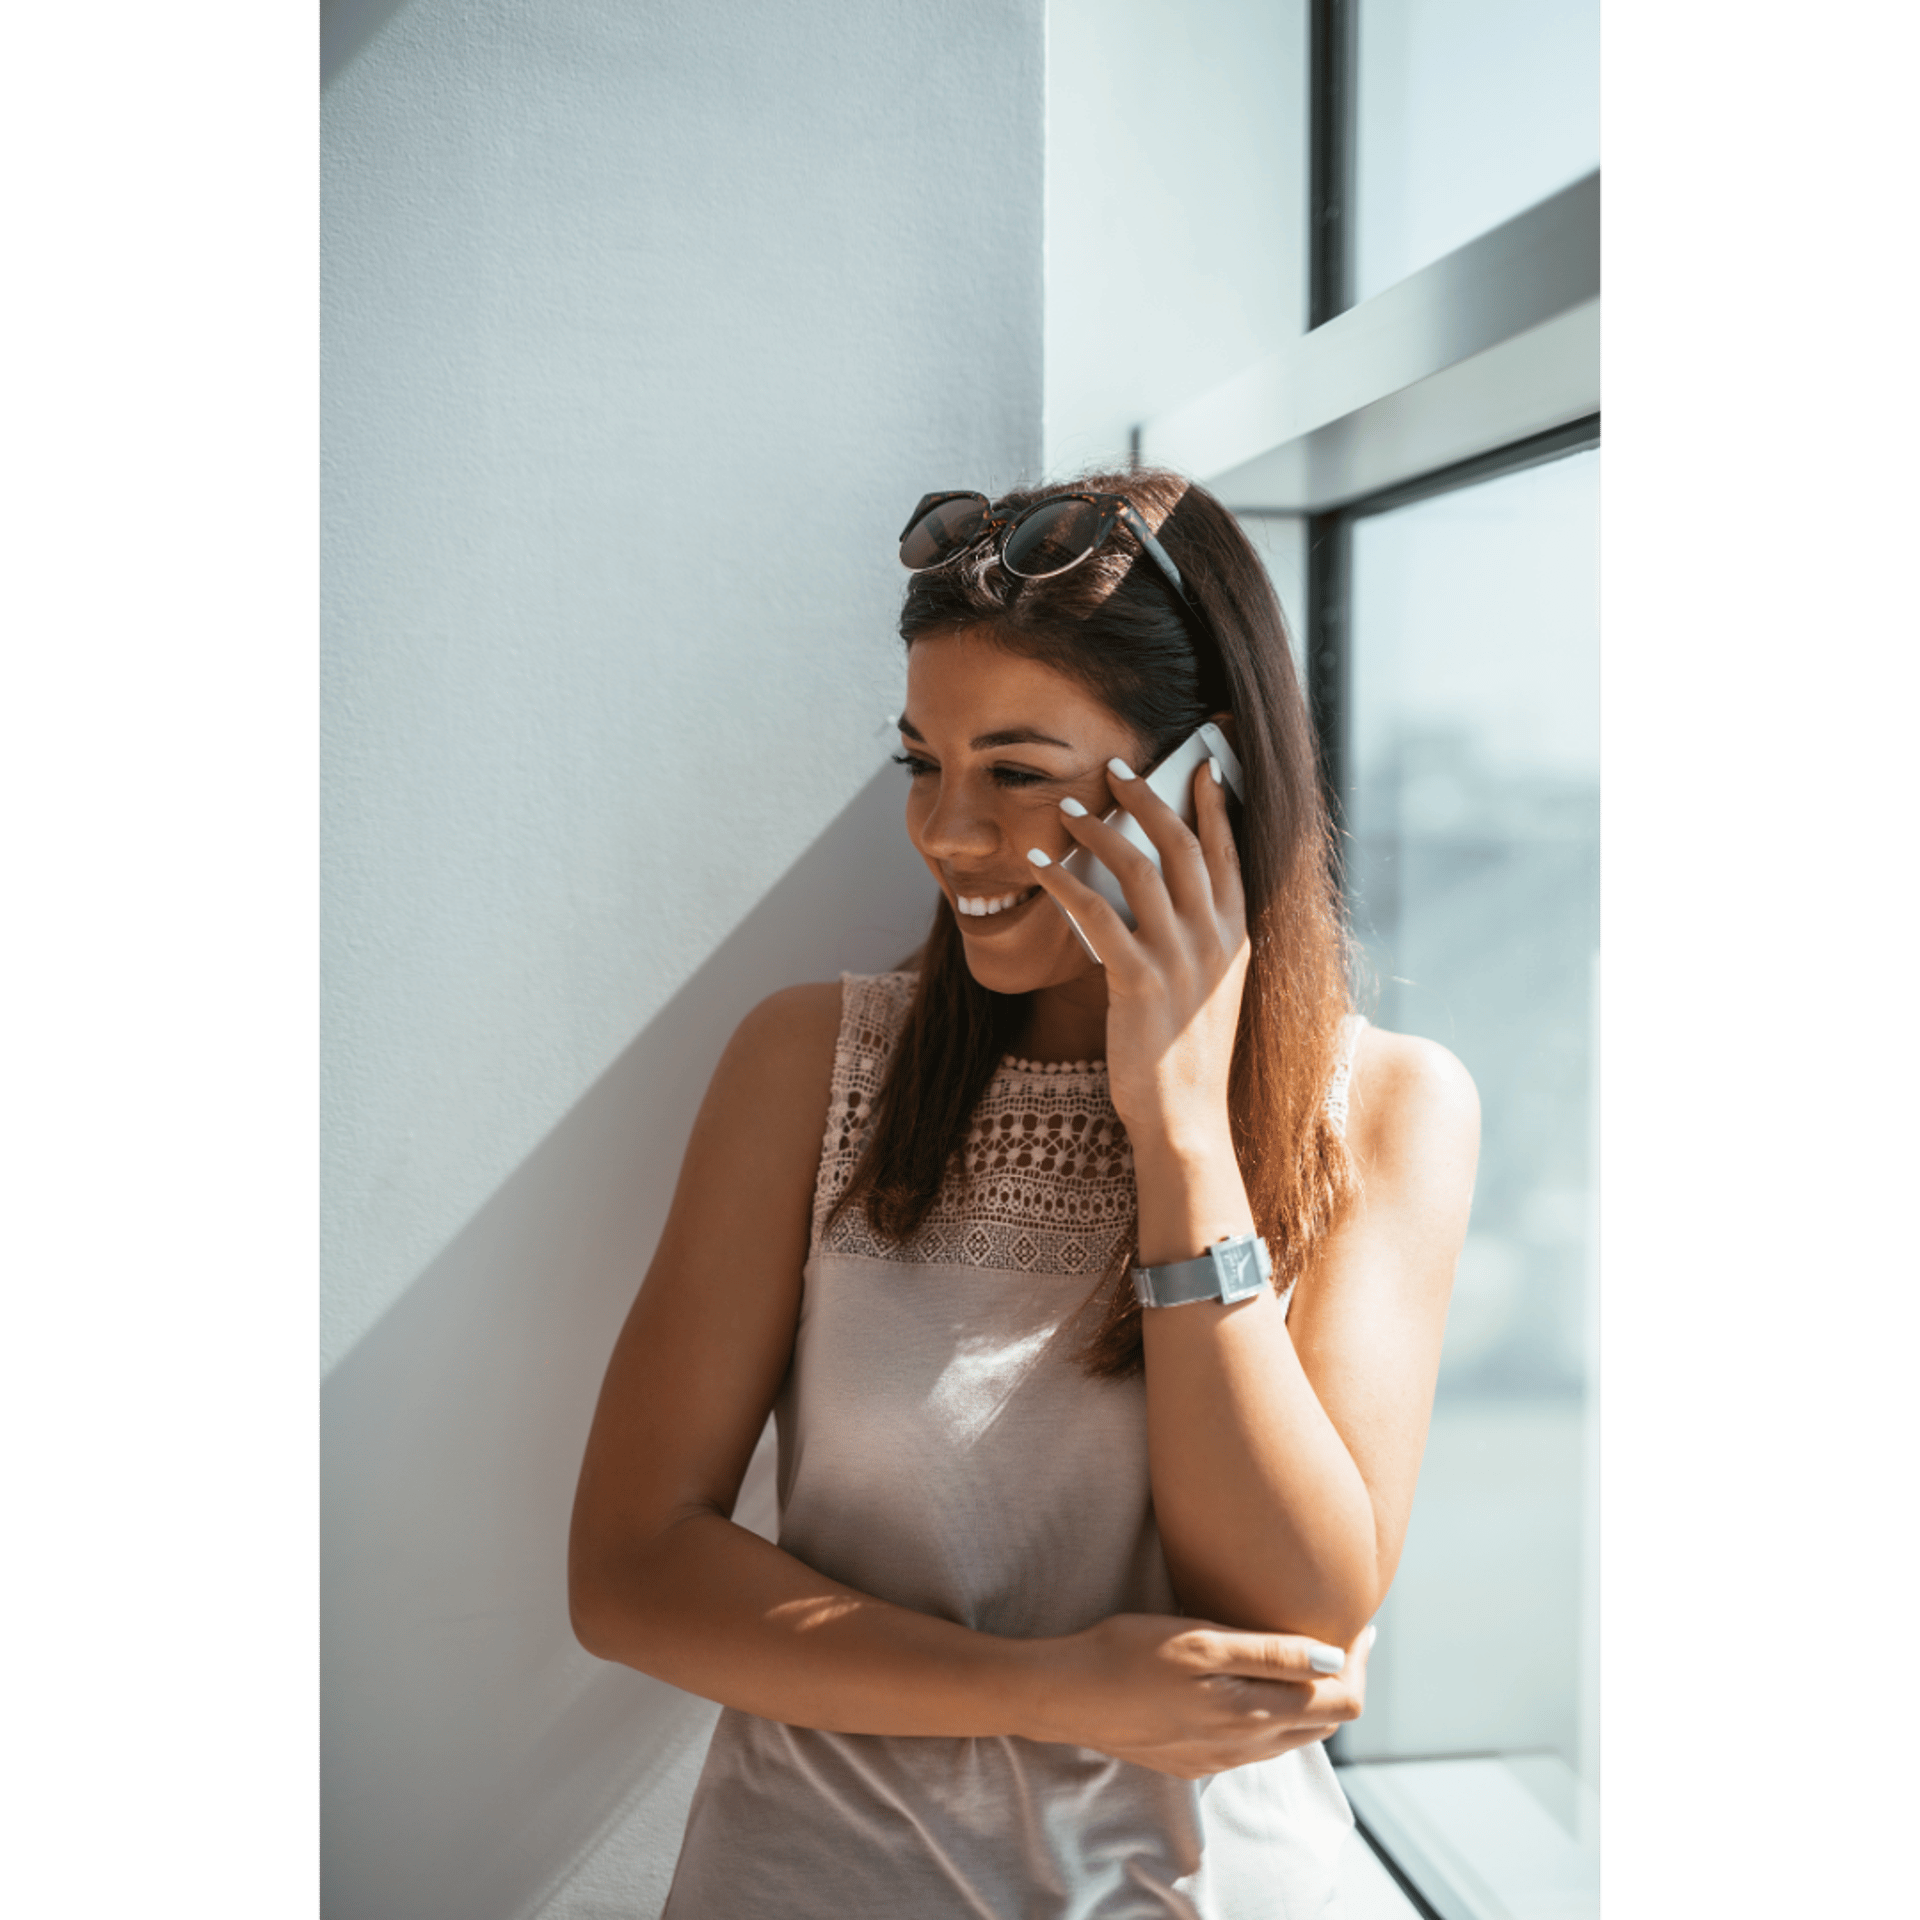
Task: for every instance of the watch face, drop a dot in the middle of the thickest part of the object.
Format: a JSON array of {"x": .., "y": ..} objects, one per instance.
[{"x": 1239, "y": 1270}]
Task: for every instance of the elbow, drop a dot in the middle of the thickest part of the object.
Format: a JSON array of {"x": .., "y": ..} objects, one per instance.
[
  {"x": 1335, "y": 1609},
  {"x": 1333, "y": 1626},
  {"x": 615, "y": 1600},
  {"x": 587, "y": 1613},
  {"x": 1342, "y": 1626},
  {"x": 602, "y": 1591},
  {"x": 1348, "y": 1604},
  {"x": 1350, "y": 1587},
  {"x": 1334, "y": 1622}
]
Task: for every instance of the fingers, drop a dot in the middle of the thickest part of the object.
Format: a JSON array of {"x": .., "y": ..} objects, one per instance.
[
  {"x": 1199, "y": 1763},
  {"x": 1195, "y": 889},
  {"x": 1215, "y": 833},
  {"x": 1120, "y": 852},
  {"x": 1356, "y": 1667},
  {"x": 1287, "y": 1679},
  {"x": 1237, "y": 1696},
  {"x": 1201, "y": 863},
  {"x": 1183, "y": 863},
  {"x": 1272, "y": 1656},
  {"x": 1104, "y": 931},
  {"x": 1288, "y": 1703}
]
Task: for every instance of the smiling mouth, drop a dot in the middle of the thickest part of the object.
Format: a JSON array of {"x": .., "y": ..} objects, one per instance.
[{"x": 984, "y": 906}]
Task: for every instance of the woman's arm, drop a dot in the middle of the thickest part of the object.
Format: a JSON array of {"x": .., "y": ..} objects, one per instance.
[
  {"x": 1285, "y": 1449},
  {"x": 661, "y": 1579},
  {"x": 1283, "y": 1456},
  {"x": 659, "y": 1576}
]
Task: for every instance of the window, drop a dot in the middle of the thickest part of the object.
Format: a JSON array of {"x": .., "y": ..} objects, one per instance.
[
  {"x": 1471, "y": 762},
  {"x": 1419, "y": 468},
  {"x": 1467, "y": 111}
]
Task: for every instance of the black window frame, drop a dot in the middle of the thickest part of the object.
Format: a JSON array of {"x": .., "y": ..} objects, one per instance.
[{"x": 1333, "y": 52}]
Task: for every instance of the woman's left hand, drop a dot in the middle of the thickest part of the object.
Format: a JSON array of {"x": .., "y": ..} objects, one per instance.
[{"x": 1174, "y": 980}]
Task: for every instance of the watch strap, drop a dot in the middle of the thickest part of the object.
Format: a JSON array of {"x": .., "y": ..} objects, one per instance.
[{"x": 1232, "y": 1269}]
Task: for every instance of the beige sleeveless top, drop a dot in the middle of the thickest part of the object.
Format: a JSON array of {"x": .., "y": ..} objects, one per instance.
[{"x": 942, "y": 1448}]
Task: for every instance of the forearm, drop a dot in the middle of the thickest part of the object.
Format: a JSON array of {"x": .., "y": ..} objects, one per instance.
[
  {"x": 718, "y": 1611},
  {"x": 1264, "y": 1517}
]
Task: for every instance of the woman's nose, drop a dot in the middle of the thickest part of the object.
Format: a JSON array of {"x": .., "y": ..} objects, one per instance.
[{"x": 957, "y": 826}]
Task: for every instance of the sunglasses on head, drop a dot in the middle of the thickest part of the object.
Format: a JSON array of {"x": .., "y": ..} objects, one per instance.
[{"x": 1036, "y": 543}]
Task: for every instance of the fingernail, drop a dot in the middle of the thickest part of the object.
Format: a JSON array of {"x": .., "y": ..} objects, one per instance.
[
  {"x": 1213, "y": 767},
  {"x": 1373, "y": 1634},
  {"x": 1120, "y": 770},
  {"x": 1073, "y": 806},
  {"x": 1038, "y": 858},
  {"x": 1325, "y": 1659}
]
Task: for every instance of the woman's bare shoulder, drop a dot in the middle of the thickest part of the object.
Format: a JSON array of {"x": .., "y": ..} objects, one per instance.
[
  {"x": 758, "y": 1130},
  {"x": 784, "y": 1046},
  {"x": 1410, "y": 1095},
  {"x": 799, "y": 1016}
]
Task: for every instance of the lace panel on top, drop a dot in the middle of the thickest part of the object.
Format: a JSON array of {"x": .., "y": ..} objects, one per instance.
[
  {"x": 1049, "y": 1168},
  {"x": 1341, "y": 1085}
]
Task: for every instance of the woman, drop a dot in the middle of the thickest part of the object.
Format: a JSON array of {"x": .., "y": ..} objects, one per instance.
[{"x": 1074, "y": 1573}]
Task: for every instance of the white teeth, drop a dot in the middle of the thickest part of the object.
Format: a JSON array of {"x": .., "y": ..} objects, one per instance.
[{"x": 980, "y": 905}]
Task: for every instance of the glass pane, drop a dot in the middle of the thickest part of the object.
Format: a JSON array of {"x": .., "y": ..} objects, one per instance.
[
  {"x": 1280, "y": 539},
  {"x": 1473, "y": 806},
  {"x": 1468, "y": 112}
]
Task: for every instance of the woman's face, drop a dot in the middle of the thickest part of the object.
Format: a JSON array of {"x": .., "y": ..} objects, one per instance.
[{"x": 994, "y": 743}]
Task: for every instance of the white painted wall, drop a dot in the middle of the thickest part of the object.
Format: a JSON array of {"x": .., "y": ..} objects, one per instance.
[
  {"x": 643, "y": 327},
  {"x": 1176, "y": 207}
]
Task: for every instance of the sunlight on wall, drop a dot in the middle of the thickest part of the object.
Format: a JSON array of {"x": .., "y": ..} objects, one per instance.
[
  {"x": 1176, "y": 207},
  {"x": 641, "y": 331}
]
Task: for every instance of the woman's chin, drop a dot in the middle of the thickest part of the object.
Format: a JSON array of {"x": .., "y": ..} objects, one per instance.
[{"x": 1038, "y": 959}]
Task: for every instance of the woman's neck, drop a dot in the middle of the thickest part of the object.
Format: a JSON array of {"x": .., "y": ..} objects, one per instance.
[{"x": 1067, "y": 1022}]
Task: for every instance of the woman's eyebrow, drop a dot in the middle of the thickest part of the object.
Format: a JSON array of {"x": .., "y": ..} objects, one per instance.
[
  {"x": 1018, "y": 737},
  {"x": 1006, "y": 737}
]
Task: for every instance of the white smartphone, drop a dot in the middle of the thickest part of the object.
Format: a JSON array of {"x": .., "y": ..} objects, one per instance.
[{"x": 1172, "y": 780}]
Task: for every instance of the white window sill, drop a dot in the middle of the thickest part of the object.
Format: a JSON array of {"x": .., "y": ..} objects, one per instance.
[{"x": 1512, "y": 1837}]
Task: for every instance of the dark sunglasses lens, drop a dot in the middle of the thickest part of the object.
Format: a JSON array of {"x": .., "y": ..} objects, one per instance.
[
  {"x": 1053, "y": 538},
  {"x": 942, "y": 531}
]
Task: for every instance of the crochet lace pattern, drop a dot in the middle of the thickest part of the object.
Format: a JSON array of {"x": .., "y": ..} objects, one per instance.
[
  {"x": 1045, "y": 1180},
  {"x": 1342, "y": 1082}
]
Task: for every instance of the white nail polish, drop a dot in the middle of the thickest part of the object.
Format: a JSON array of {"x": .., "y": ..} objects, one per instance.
[
  {"x": 1120, "y": 770},
  {"x": 1213, "y": 767},
  {"x": 1072, "y": 806},
  {"x": 1324, "y": 1659},
  {"x": 1038, "y": 858}
]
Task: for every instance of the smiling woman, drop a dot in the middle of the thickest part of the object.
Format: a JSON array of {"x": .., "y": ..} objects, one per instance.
[
  {"x": 989, "y": 793},
  {"x": 1083, "y": 1517}
]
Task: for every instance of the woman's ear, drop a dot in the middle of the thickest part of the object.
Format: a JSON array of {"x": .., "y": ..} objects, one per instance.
[{"x": 1225, "y": 722}]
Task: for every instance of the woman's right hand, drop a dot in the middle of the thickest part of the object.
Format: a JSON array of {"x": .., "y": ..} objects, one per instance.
[{"x": 1188, "y": 1698}]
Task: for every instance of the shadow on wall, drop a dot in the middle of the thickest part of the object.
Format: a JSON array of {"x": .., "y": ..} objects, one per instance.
[
  {"x": 346, "y": 26},
  {"x": 474, "y": 1754}
]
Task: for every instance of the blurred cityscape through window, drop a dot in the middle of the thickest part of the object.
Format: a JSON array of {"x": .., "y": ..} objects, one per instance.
[{"x": 1472, "y": 815}]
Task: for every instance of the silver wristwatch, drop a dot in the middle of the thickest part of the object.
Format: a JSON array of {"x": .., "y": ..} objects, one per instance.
[{"x": 1235, "y": 1268}]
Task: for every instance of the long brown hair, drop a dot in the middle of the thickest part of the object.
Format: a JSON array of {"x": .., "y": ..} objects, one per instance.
[{"x": 1119, "y": 629}]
